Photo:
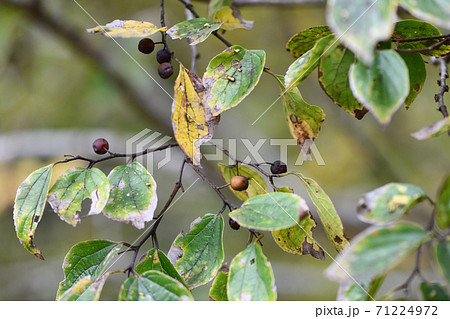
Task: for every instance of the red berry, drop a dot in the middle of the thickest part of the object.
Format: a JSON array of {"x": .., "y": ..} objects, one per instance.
[
  {"x": 146, "y": 46},
  {"x": 163, "y": 56},
  {"x": 239, "y": 183},
  {"x": 233, "y": 224},
  {"x": 278, "y": 167},
  {"x": 165, "y": 70},
  {"x": 100, "y": 146}
]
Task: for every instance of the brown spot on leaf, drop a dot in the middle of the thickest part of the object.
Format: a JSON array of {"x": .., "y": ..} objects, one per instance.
[
  {"x": 417, "y": 87},
  {"x": 338, "y": 239},
  {"x": 359, "y": 114}
]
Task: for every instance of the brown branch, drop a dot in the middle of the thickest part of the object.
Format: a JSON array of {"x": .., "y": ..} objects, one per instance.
[
  {"x": 138, "y": 100},
  {"x": 418, "y": 39},
  {"x": 430, "y": 48},
  {"x": 443, "y": 87}
]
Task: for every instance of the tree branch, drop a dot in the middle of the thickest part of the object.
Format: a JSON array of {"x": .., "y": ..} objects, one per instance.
[
  {"x": 439, "y": 97},
  {"x": 242, "y": 3}
]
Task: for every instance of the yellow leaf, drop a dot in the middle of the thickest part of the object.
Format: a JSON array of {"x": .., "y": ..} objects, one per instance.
[
  {"x": 232, "y": 19},
  {"x": 193, "y": 124},
  {"x": 127, "y": 29}
]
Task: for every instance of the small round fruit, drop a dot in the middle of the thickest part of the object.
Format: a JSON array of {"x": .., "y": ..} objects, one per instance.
[
  {"x": 146, "y": 46},
  {"x": 100, "y": 146},
  {"x": 278, "y": 167},
  {"x": 163, "y": 56},
  {"x": 165, "y": 70},
  {"x": 239, "y": 183},
  {"x": 234, "y": 224}
]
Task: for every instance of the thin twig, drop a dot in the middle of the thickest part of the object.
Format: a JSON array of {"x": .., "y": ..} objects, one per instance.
[
  {"x": 418, "y": 39},
  {"x": 443, "y": 87},
  {"x": 430, "y": 48}
]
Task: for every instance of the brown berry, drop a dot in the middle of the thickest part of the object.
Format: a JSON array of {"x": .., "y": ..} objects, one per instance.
[
  {"x": 233, "y": 224},
  {"x": 163, "y": 56},
  {"x": 100, "y": 146},
  {"x": 165, "y": 70},
  {"x": 146, "y": 46},
  {"x": 278, "y": 167},
  {"x": 239, "y": 183}
]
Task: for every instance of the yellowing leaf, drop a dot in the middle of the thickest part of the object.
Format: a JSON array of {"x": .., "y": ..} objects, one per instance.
[
  {"x": 127, "y": 29},
  {"x": 192, "y": 122},
  {"x": 232, "y": 19}
]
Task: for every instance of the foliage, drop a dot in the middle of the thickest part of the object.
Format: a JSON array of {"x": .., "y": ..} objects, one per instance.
[{"x": 366, "y": 62}]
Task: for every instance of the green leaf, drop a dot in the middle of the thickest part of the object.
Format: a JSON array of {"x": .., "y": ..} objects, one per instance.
[
  {"x": 407, "y": 29},
  {"x": 417, "y": 75},
  {"x": 133, "y": 195},
  {"x": 389, "y": 202},
  {"x": 256, "y": 184},
  {"x": 442, "y": 253},
  {"x": 304, "y": 120},
  {"x": 382, "y": 87},
  {"x": 330, "y": 219},
  {"x": 127, "y": 29},
  {"x": 433, "y": 130},
  {"x": 364, "y": 291},
  {"x": 375, "y": 251},
  {"x": 86, "y": 261},
  {"x": 305, "y": 40},
  {"x": 197, "y": 30},
  {"x": 334, "y": 66},
  {"x": 153, "y": 286},
  {"x": 434, "y": 11},
  {"x": 85, "y": 290},
  {"x": 305, "y": 64},
  {"x": 218, "y": 291},
  {"x": 215, "y": 5},
  {"x": 361, "y": 24},
  {"x": 443, "y": 205},
  {"x": 232, "y": 19},
  {"x": 298, "y": 239},
  {"x": 251, "y": 276},
  {"x": 202, "y": 251},
  {"x": 231, "y": 76},
  {"x": 74, "y": 186},
  {"x": 433, "y": 292},
  {"x": 157, "y": 260},
  {"x": 271, "y": 211},
  {"x": 29, "y": 207}
]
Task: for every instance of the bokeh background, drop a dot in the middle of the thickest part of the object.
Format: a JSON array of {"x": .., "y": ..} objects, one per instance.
[{"x": 61, "y": 88}]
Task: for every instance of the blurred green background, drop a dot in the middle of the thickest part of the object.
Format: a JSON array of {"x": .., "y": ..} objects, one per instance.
[{"x": 61, "y": 88}]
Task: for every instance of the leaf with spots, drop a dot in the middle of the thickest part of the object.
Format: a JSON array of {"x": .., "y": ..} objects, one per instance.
[
  {"x": 298, "y": 239},
  {"x": 232, "y": 19},
  {"x": 133, "y": 195},
  {"x": 157, "y": 260},
  {"x": 231, "y": 76},
  {"x": 202, "y": 251},
  {"x": 271, "y": 211},
  {"x": 256, "y": 184},
  {"x": 407, "y": 29},
  {"x": 127, "y": 29},
  {"x": 304, "y": 120},
  {"x": 330, "y": 219},
  {"x": 306, "y": 63},
  {"x": 86, "y": 261},
  {"x": 305, "y": 40},
  {"x": 29, "y": 207},
  {"x": 375, "y": 251},
  {"x": 74, "y": 186},
  {"x": 153, "y": 285},
  {"x": 389, "y": 202},
  {"x": 218, "y": 291},
  {"x": 417, "y": 75},
  {"x": 334, "y": 66},
  {"x": 251, "y": 276},
  {"x": 192, "y": 121},
  {"x": 349, "y": 290},
  {"x": 432, "y": 291},
  {"x": 85, "y": 290},
  {"x": 197, "y": 30}
]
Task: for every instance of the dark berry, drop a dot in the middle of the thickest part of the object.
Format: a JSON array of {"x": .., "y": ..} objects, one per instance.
[
  {"x": 239, "y": 183},
  {"x": 233, "y": 224},
  {"x": 163, "y": 56},
  {"x": 100, "y": 146},
  {"x": 146, "y": 46},
  {"x": 278, "y": 167},
  {"x": 165, "y": 70}
]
